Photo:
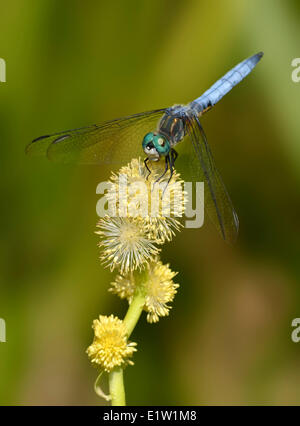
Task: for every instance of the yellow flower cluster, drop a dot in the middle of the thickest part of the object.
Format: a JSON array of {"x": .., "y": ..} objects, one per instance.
[
  {"x": 110, "y": 347},
  {"x": 129, "y": 242},
  {"x": 157, "y": 284},
  {"x": 151, "y": 209},
  {"x": 125, "y": 243}
]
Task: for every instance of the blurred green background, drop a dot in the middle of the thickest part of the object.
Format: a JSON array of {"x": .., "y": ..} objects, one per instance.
[{"x": 73, "y": 63}]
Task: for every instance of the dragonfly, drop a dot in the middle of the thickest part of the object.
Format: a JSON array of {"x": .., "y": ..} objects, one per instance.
[{"x": 157, "y": 133}]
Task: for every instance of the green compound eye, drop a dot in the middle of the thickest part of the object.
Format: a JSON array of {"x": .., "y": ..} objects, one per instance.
[
  {"x": 161, "y": 144},
  {"x": 148, "y": 138}
]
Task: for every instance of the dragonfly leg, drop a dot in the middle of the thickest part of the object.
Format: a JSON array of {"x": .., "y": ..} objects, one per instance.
[
  {"x": 146, "y": 165},
  {"x": 166, "y": 169},
  {"x": 171, "y": 160},
  {"x": 174, "y": 155}
]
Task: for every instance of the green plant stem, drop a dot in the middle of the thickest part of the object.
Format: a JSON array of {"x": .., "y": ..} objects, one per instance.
[
  {"x": 116, "y": 383},
  {"x": 116, "y": 387},
  {"x": 134, "y": 311}
]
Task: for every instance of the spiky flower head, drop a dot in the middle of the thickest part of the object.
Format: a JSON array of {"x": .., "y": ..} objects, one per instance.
[
  {"x": 157, "y": 284},
  {"x": 125, "y": 242},
  {"x": 110, "y": 347},
  {"x": 160, "y": 202},
  {"x": 124, "y": 286},
  {"x": 161, "y": 290}
]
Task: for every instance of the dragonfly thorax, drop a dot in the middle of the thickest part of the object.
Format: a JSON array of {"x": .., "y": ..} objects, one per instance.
[
  {"x": 172, "y": 125},
  {"x": 156, "y": 145}
]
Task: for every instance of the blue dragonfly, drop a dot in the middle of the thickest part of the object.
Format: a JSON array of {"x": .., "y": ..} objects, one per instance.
[{"x": 157, "y": 132}]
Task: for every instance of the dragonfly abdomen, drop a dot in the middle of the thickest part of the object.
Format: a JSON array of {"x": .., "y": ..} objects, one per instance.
[{"x": 216, "y": 92}]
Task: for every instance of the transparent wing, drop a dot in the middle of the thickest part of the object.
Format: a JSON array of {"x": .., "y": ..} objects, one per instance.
[
  {"x": 112, "y": 142},
  {"x": 199, "y": 165}
]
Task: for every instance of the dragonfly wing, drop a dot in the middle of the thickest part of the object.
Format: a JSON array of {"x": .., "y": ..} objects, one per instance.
[
  {"x": 202, "y": 167},
  {"x": 112, "y": 142}
]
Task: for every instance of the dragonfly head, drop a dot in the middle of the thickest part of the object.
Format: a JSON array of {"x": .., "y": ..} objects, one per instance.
[{"x": 156, "y": 145}]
